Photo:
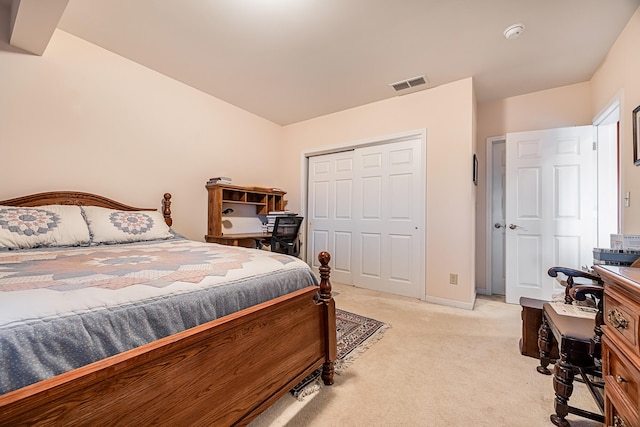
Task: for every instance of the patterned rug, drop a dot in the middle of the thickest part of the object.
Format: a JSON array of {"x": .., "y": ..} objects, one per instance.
[{"x": 355, "y": 335}]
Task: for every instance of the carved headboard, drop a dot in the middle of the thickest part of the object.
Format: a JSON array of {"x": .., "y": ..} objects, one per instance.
[{"x": 84, "y": 199}]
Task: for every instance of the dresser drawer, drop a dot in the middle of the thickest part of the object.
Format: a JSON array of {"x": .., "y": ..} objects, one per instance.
[
  {"x": 619, "y": 370},
  {"x": 618, "y": 419},
  {"x": 622, "y": 383},
  {"x": 621, "y": 315}
]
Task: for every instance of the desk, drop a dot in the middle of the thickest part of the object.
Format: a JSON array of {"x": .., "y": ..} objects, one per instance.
[{"x": 246, "y": 240}]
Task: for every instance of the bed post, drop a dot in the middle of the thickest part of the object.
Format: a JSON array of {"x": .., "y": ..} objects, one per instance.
[
  {"x": 166, "y": 209},
  {"x": 326, "y": 299}
]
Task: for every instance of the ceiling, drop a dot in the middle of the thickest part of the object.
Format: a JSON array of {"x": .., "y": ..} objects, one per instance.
[{"x": 292, "y": 60}]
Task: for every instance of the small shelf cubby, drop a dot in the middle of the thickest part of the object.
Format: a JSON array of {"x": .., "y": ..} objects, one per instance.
[{"x": 265, "y": 200}]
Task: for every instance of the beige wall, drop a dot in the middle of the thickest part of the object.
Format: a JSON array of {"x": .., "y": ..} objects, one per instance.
[
  {"x": 619, "y": 76},
  {"x": 554, "y": 108},
  {"x": 447, "y": 114},
  {"x": 82, "y": 118},
  {"x": 573, "y": 105}
]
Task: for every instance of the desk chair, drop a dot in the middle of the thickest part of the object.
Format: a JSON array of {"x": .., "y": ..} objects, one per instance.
[
  {"x": 284, "y": 238},
  {"x": 579, "y": 347}
]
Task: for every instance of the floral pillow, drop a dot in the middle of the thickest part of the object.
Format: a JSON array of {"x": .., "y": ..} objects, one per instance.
[
  {"x": 38, "y": 226},
  {"x": 114, "y": 226}
]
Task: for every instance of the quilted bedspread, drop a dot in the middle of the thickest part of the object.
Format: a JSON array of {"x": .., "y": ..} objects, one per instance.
[{"x": 63, "y": 308}]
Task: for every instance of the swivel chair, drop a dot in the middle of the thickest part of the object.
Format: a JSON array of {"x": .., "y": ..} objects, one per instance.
[{"x": 284, "y": 238}]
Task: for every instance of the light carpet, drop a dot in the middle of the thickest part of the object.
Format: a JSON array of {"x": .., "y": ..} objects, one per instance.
[
  {"x": 355, "y": 334},
  {"x": 437, "y": 366}
]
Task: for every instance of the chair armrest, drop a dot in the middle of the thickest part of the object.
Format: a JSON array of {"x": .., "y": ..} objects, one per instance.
[
  {"x": 580, "y": 292},
  {"x": 572, "y": 272}
]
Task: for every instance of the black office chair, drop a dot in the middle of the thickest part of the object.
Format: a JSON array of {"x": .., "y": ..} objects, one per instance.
[{"x": 284, "y": 238}]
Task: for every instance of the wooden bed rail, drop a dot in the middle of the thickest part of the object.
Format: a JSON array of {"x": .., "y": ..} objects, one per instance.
[{"x": 223, "y": 372}]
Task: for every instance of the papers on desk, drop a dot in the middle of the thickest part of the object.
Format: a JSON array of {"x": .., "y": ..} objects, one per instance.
[{"x": 574, "y": 310}]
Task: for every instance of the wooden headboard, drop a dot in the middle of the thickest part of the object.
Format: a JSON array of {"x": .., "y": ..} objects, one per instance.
[{"x": 84, "y": 199}]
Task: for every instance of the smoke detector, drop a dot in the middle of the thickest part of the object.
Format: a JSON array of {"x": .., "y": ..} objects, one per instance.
[{"x": 514, "y": 31}]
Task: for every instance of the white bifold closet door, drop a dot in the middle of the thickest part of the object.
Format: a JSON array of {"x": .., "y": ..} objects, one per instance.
[{"x": 366, "y": 207}]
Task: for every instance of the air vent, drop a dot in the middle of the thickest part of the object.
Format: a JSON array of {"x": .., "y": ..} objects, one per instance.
[
  {"x": 401, "y": 86},
  {"x": 417, "y": 81},
  {"x": 409, "y": 83}
]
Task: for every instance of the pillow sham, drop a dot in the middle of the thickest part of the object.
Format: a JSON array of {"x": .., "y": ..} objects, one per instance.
[
  {"x": 114, "y": 226},
  {"x": 50, "y": 225}
]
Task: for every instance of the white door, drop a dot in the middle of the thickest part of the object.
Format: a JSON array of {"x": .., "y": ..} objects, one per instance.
[
  {"x": 366, "y": 207},
  {"x": 550, "y": 208}
]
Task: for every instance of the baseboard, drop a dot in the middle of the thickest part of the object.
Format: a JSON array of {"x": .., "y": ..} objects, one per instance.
[{"x": 452, "y": 303}]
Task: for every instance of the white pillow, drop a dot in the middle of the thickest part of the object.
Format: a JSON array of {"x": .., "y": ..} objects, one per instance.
[
  {"x": 50, "y": 225},
  {"x": 114, "y": 226}
]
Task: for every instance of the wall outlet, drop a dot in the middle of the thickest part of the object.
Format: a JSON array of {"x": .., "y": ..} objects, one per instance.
[{"x": 453, "y": 279}]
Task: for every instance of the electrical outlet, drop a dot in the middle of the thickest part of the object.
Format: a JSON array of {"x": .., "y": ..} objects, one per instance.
[{"x": 453, "y": 279}]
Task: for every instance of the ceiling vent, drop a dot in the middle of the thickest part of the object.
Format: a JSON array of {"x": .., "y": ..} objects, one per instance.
[{"x": 409, "y": 83}]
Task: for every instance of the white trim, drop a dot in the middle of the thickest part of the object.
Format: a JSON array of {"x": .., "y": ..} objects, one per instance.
[
  {"x": 615, "y": 103},
  {"x": 453, "y": 303},
  {"x": 606, "y": 116},
  {"x": 397, "y": 137},
  {"x": 489, "y": 191}
]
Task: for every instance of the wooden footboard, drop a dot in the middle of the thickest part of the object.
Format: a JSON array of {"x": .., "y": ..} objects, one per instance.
[{"x": 224, "y": 372}]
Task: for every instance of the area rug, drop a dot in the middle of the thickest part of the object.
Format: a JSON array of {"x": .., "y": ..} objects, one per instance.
[{"x": 355, "y": 334}]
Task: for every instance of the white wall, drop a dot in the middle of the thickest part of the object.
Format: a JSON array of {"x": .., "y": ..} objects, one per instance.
[{"x": 82, "y": 118}]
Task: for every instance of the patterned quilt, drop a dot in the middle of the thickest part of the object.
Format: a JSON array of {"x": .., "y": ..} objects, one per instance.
[{"x": 64, "y": 308}]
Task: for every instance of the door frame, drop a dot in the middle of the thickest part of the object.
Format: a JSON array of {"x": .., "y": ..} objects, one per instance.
[
  {"x": 491, "y": 141},
  {"x": 610, "y": 114},
  {"x": 420, "y": 134}
]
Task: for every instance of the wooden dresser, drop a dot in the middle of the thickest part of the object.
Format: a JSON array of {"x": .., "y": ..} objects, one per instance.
[{"x": 621, "y": 345}]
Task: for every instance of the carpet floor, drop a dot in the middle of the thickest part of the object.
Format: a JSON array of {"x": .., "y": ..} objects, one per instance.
[
  {"x": 436, "y": 366},
  {"x": 355, "y": 334}
]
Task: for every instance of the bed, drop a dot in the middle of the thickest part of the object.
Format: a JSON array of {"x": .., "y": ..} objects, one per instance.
[{"x": 234, "y": 339}]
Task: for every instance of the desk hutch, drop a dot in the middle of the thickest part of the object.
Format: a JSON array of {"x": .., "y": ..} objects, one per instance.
[{"x": 264, "y": 199}]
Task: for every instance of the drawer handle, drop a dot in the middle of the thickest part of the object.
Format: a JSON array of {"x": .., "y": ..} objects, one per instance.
[
  {"x": 618, "y": 422},
  {"x": 620, "y": 380},
  {"x": 617, "y": 320}
]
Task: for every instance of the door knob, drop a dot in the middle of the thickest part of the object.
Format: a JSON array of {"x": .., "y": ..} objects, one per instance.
[
  {"x": 498, "y": 225},
  {"x": 513, "y": 226}
]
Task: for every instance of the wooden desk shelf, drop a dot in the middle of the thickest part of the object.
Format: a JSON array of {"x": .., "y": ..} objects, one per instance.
[{"x": 264, "y": 199}]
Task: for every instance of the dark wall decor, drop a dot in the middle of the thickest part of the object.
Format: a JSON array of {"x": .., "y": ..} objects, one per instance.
[
  {"x": 636, "y": 136},
  {"x": 475, "y": 169}
]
